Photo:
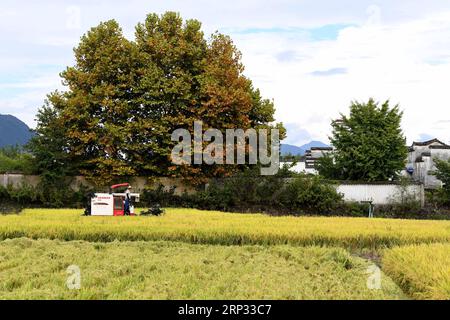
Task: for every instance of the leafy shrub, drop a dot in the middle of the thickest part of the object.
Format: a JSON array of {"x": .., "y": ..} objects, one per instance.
[
  {"x": 443, "y": 174},
  {"x": 27, "y": 195},
  {"x": 166, "y": 198},
  {"x": 310, "y": 194},
  {"x": 437, "y": 198},
  {"x": 282, "y": 193},
  {"x": 13, "y": 159}
]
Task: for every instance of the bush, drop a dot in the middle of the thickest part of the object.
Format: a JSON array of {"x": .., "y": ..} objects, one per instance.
[
  {"x": 165, "y": 198},
  {"x": 438, "y": 198},
  {"x": 282, "y": 193},
  {"x": 310, "y": 194},
  {"x": 443, "y": 174},
  {"x": 351, "y": 209},
  {"x": 13, "y": 159},
  {"x": 26, "y": 195}
]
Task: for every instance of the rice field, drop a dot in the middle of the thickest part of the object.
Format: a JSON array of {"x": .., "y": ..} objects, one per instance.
[
  {"x": 423, "y": 271},
  {"x": 37, "y": 269},
  {"x": 192, "y": 254},
  {"x": 212, "y": 227}
]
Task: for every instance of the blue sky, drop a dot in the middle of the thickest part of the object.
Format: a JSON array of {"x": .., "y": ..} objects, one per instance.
[{"x": 312, "y": 57}]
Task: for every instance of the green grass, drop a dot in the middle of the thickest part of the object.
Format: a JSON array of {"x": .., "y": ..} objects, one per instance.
[
  {"x": 423, "y": 271},
  {"x": 36, "y": 269},
  {"x": 212, "y": 227}
]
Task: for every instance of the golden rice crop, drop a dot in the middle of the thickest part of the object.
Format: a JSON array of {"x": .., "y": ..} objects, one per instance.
[
  {"x": 37, "y": 269},
  {"x": 423, "y": 271},
  {"x": 212, "y": 227}
]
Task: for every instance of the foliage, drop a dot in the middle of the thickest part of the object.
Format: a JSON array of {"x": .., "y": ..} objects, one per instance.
[
  {"x": 443, "y": 174},
  {"x": 28, "y": 196},
  {"x": 327, "y": 167},
  {"x": 369, "y": 144},
  {"x": 405, "y": 199},
  {"x": 14, "y": 159},
  {"x": 285, "y": 194},
  {"x": 437, "y": 199},
  {"x": 52, "y": 159},
  {"x": 125, "y": 98},
  {"x": 166, "y": 198},
  {"x": 243, "y": 190},
  {"x": 285, "y": 190},
  {"x": 48, "y": 145},
  {"x": 212, "y": 227},
  {"x": 311, "y": 194},
  {"x": 289, "y": 157},
  {"x": 421, "y": 270}
]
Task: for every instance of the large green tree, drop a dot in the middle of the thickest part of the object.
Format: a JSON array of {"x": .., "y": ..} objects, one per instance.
[
  {"x": 369, "y": 144},
  {"x": 124, "y": 98}
]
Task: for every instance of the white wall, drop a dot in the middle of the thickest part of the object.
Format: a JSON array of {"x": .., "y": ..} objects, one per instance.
[{"x": 379, "y": 193}]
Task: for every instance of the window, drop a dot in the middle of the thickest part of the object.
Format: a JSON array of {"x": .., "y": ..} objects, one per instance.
[{"x": 118, "y": 203}]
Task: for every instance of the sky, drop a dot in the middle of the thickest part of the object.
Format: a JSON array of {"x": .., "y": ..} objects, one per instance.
[{"x": 312, "y": 57}]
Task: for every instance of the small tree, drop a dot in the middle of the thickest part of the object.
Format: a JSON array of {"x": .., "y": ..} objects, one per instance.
[
  {"x": 443, "y": 173},
  {"x": 369, "y": 144}
]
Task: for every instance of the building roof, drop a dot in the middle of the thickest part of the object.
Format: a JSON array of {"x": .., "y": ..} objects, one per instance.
[
  {"x": 428, "y": 143},
  {"x": 321, "y": 149}
]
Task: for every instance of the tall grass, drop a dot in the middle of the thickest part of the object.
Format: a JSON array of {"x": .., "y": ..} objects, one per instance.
[
  {"x": 423, "y": 271},
  {"x": 212, "y": 227},
  {"x": 36, "y": 269}
]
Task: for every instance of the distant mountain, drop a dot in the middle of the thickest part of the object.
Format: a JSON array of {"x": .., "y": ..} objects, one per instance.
[
  {"x": 290, "y": 149},
  {"x": 295, "y": 150},
  {"x": 13, "y": 131}
]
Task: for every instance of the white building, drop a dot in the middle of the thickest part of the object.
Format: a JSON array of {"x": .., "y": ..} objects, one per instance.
[
  {"x": 314, "y": 154},
  {"x": 420, "y": 163},
  {"x": 308, "y": 165},
  {"x": 421, "y": 158}
]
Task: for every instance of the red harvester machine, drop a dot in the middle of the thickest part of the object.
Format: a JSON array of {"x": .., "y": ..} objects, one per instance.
[{"x": 113, "y": 203}]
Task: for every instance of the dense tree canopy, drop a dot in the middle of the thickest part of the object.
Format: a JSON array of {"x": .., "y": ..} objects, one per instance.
[
  {"x": 369, "y": 144},
  {"x": 124, "y": 98}
]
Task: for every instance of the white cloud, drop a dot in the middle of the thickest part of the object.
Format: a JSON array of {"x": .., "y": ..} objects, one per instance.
[
  {"x": 20, "y": 105},
  {"x": 381, "y": 60}
]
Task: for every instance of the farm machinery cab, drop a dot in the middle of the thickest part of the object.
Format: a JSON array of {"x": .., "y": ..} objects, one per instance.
[{"x": 114, "y": 203}]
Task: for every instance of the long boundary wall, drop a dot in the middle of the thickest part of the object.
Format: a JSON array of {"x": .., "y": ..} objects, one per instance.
[
  {"x": 138, "y": 183},
  {"x": 353, "y": 192}
]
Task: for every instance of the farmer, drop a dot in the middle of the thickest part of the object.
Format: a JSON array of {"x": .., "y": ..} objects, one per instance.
[{"x": 127, "y": 201}]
